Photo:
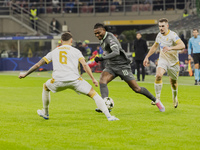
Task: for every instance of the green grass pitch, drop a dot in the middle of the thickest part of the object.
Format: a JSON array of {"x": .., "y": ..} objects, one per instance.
[{"x": 74, "y": 125}]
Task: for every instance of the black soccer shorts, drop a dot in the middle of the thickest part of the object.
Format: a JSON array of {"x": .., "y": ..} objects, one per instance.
[
  {"x": 196, "y": 57},
  {"x": 124, "y": 72}
]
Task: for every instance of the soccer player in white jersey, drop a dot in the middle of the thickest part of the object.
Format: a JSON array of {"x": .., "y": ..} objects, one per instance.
[
  {"x": 169, "y": 43},
  {"x": 65, "y": 75}
]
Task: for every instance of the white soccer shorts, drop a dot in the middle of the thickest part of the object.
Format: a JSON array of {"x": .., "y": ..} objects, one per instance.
[
  {"x": 172, "y": 71},
  {"x": 79, "y": 86}
]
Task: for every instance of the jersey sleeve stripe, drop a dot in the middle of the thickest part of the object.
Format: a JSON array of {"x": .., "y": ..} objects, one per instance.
[
  {"x": 113, "y": 45},
  {"x": 80, "y": 58},
  {"x": 46, "y": 60},
  {"x": 177, "y": 41}
]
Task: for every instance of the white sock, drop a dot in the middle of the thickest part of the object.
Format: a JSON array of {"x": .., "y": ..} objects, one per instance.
[
  {"x": 158, "y": 87},
  {"x": 157, "y": 100},
  {"x": 46, "y": 100},
  {"x": 101, "y": 105},
  {"x": 174, "y": 93}
]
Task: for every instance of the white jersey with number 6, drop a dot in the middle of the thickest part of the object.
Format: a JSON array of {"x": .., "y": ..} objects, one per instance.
[
  {"x": 167, "y": 41},
  {"x": 65, "y": 61}
]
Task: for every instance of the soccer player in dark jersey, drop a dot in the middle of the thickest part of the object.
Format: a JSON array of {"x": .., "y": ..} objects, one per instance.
[{"x": 117, "y": 65}]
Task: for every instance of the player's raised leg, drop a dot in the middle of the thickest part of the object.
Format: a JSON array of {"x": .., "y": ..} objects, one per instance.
[
  {"x": 46, "y": 100},
  {"x": 101, "y": 104},
  {"x": 142, "y": 90}
]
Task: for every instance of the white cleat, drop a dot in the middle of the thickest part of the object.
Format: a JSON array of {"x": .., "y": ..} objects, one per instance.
[
  {"x": 42, "y": 114},
  {"x": 112, "y": 118},
  {"x": 175, "y": 102},
  {"x": 153, "y": 103},
  {"x": 160, "y": 106}
]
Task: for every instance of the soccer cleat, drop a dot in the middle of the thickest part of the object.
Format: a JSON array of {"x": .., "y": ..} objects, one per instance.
[
  {"x": 42, "y": 114},
  {"x": 153, "y": 103},
  {"x": 196, "y": 83},
  {"x": 99, "y": 110},
  {"x": 112, "y": 118},
  {"x": 175, "y": 102},
  {"x": 160, "y": 105}
]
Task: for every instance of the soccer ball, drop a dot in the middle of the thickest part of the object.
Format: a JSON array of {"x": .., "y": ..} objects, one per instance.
[{"x": 109, "y": 102}]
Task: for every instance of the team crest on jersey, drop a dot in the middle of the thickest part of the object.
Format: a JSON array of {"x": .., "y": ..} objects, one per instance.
[{"x": 167, "y": 39}]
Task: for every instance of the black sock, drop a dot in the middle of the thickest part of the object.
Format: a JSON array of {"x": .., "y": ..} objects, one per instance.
[
  {"x": 146, "y": 93},
  {"x": 104, "y": 90}
]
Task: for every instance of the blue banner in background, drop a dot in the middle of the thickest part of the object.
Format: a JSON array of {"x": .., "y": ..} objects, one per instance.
[
  {"x": 21, "y": 64},
  {"x": 24, "y": 63},
  {"x": 27, "y": 38}
]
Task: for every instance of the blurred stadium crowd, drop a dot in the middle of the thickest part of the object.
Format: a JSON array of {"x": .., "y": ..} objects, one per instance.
[{"x": 89, "y": 6}]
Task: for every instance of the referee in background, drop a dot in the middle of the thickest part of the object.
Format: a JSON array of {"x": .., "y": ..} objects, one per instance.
[{"x": 194, "y": 47}]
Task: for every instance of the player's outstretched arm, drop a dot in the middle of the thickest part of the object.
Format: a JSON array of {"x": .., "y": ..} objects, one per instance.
[
  {"x": 180, "y": 45},
  {"x": 32, "y": 69},
  {"x": 151, "y": 51},
  {"x": 89, "y": 72},
  {"x": 114, "y": 53}
]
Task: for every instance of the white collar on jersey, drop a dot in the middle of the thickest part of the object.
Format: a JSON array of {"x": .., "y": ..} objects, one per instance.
[{"x": 104, "y": 37}]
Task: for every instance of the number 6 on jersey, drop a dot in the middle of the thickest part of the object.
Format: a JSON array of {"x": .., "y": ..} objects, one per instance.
[{"x": 63, "y": 57}]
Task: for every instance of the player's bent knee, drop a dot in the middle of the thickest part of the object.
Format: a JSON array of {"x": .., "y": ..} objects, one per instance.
[
  {"x": 174, "y": 83},
  {"x": 92, "y": 93},
  {"x": 137, "y": 89},
  {"x": 158, "y": 77},
  {"x": 102, "y": 81},
  {"x": 45, "y": 87}
]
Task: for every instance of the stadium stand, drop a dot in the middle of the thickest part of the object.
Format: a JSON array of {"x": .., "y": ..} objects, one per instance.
[
  {"x": 88, "y": 6},
  {"x": 189, "y": 22},
  {"x": 16, "y": 13}
]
